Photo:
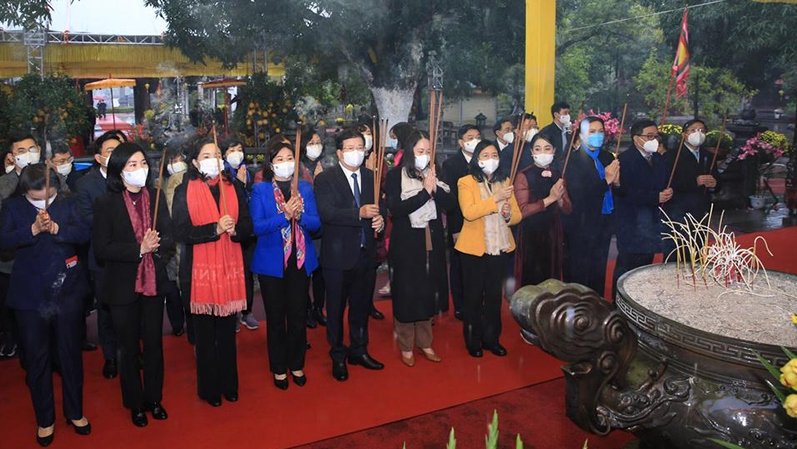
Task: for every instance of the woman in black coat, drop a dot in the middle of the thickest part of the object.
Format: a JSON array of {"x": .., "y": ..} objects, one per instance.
[
  {"x": 46, "y": 292},
  {"x": 135, "y": 276},
  {"x": 419, "y": 283}
]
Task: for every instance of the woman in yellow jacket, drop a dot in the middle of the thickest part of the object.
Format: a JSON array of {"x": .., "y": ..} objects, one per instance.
[{"x": 489, "y": 208}]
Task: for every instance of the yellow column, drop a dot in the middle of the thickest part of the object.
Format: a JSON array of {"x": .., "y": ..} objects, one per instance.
[{"x": 540, "y": 57}]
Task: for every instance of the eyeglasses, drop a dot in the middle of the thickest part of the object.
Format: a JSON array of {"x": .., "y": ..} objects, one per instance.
[
  {"x": 33, "y": 149},
  {"x": 650, "y": 136},
  {"x": 64, "y": 162},
  {"x": 357, "y": 148}
]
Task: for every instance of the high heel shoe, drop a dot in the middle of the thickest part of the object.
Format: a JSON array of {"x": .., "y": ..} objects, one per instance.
[
  {"x": 80, "y": 430},
  {"x": 282, "y": 384},
  {"x": 299, "y": 380},
  {"x": 47, "y": 440}
]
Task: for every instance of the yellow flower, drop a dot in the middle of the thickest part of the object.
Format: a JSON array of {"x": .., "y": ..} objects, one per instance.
[
  {"x": 790, "y": 367},
  {"x": 790, "y": 404},
  {"x": 794, "y": 318}
]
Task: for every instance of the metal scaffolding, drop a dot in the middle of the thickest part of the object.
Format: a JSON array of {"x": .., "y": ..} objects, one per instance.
[
  {"x": 35, "y": 40},
  {"x": 65, "y": 37}
]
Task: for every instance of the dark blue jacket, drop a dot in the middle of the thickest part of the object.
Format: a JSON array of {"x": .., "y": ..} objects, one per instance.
[
  {"x": 637, "y": 217},
  {"x": 46, "y": 272},
  {"x": 268, "y": 224},
  {"x": 88, "y": 188}
]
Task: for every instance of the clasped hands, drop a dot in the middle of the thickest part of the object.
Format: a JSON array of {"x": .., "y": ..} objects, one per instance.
[
  {"x": 501, "y": 196},
  {"x": 44, "y": 223},
  {"x": 225, "y": 224},
  {"x": 372, "y": 211},
  {"x": 293, "y": 208}
]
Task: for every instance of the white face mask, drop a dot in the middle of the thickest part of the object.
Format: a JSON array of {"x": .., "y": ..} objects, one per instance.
[
  {"x": 64, "y": 169},
  {"x": 177, "y": 167},
  {"x": 284, "y": 169},
  {"x": 10, "y": 168},
  {"x": 392, "y": 142},
  {"x": 369, "y": 142},
  {"x": 531, "y": 133},
  {"x": 25, "y": 159},
  {"x": 565, "y": 119},
  {"x": 235, "y": 158},
  {"x": 314, "y": 150},
  {"x": 422, "y": 161},
  {"x": 489, "y": 166},
  {"x": 542, "y": 160},
  {"x": 651, "y": 146},
  {"x": 39, "y": 204},
  {"x": 354, "y": 158},
  {"x": 696, "y": 139},
  {"x": 209, "y": 167},
  {"x": 136, "y": 178},
  {"x": 470, "y": 145},
  {"x": 509, "y": 137}
]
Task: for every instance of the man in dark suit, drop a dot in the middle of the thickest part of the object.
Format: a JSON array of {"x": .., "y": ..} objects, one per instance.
[
  {"x": 691, "y": 182},
  {"x": 529, "y": 129},
  {"x": 350, "y": 219},
  {"x": 589, "y": 178},
  {"x": 558, "y": 132},
  {"x": 90, "y": 187},
  {"x": 63, "y": 163},
  {"x": 644, "y": 187},
  {"x": 455, "y": 167}
]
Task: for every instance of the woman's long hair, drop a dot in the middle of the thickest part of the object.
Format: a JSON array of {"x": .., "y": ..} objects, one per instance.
[
  {"x": 274, "y": 147},
  {"x": 408, "y": 160},
  {"x": 116, "y": 164},
  {"x": 476, "y": 171},
  {"x": 195, "y": 147}
]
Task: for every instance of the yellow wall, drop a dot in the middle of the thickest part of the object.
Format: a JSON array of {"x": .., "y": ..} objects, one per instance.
[
  {"x": 540, "y": 57},
  {"x": 119, "y": 61}
]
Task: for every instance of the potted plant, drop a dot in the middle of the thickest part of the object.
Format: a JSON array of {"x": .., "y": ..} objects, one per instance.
[{"x": 761, "y": 152}]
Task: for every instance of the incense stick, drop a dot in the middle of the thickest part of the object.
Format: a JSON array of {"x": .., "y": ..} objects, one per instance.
[
  {"x": 296, "y": 159},
  {"x": 222, "y": 195},
  {"x": 572, "y": 142},
  {"x": 620, "y": 131},
  {"x": 717, "y": 147},
  {"x": 677, "y": 156},
  {"x": 46, "y": 184},
  {"x": 158, "y": 190}
]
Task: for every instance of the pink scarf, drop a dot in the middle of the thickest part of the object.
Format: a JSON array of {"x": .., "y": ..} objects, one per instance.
[
  {"x": 287, "y": 233},
  {"x": 146, "y": 282}
]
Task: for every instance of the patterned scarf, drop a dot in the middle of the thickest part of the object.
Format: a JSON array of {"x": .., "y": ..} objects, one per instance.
[
  {"x": 146, "y": 282},
  {"x": 217, "y": 276},
  {"x": 289, "y": 232}
]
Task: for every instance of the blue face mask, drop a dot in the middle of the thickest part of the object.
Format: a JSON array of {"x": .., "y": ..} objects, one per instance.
[
  {"x": 595, "y": 140},
  {"x": 392, "y": 143}
]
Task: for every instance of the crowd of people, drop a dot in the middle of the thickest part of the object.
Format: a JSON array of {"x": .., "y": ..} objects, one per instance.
[{"x": 313, "y": 235}]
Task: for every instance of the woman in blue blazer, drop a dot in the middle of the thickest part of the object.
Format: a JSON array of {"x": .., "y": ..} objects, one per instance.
[
  {"x": 284, "y": 259},
  {"x": 47, "y": 289}
]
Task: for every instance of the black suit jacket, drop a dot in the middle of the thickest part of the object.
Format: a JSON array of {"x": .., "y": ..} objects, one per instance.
[
  {"x": 115, "y": 246},
  {"x": 554, "y": 135},
  {"x": 507, "y": 154},
  {"x": 88, "y": 188},
  {"x": 340, "y": 218},
  {"x": 688, "y": 197},
  {"x": 455, "y": 167},
  {"x": 586, "y": 190}
]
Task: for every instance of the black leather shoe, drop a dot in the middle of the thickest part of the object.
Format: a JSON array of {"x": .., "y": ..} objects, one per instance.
[
  {"x": 377, "y": 315},
  {"x": 80, "y": 430},
  {"x": 498, "y": 350},
  {"x": 157, "y": 410},
  {"x": 475, "y": 352},
  {"x": 366, "y": 361},
  {"x": 311, "y": 321},
  {"x": 178, "y": 332},
  {"x": 232, "y": 397},
  {"x": 45, "y": 441},
  {"x": 318, "y": 314},
  {"x": 282, "y": 384},
  {"x": 109, "y": 370},
  {"x": 299, "y": 380},
  {"x": 139, "y": 418},
  {"x": 214, "y": 402},
  {"x": 458, "y": 315},
  {"x": 339, "y": 371},
  {"x": 88, "y": 346}
]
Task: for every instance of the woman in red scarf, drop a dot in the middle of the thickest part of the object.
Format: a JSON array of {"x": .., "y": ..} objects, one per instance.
[
  {"x": 211, "y": 217},
  {"x": 129, "y": 246}
]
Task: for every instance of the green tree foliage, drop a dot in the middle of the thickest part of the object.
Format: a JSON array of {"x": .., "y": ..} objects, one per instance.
[
  {"x": 24, "y": 13},
  {"x": 51, "y": 107},
  {"x": 718, "y": 90}
]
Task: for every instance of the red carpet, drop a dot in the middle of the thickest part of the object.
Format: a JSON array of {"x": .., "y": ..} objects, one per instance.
[
  {"x": 536, "y": 412},
  {"x": 269, "y": 418},
  {"x": 781, "y": 242}
]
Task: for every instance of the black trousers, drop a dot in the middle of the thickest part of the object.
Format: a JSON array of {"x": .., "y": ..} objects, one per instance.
[
  {"x": 8, "y": 326},
  {"x": 216, "y": 356},
  {"x": 588, "y": 251},
  {"x": 319, "y": 291},
  {"x": 286, "y": 312},
  {"x": 627, "y": 262},
  {"x": 139, "y": 328},
  {"x": 174, "y": 306},
  {"x": 455, "y": 278},
  {"x": 105, "y": 332},
  {"x": 45, "y": 338},
  {"x": 248, "y": 249},
  {"x": 354, "y": 286},
  {"x": 483, "y": 278}
]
